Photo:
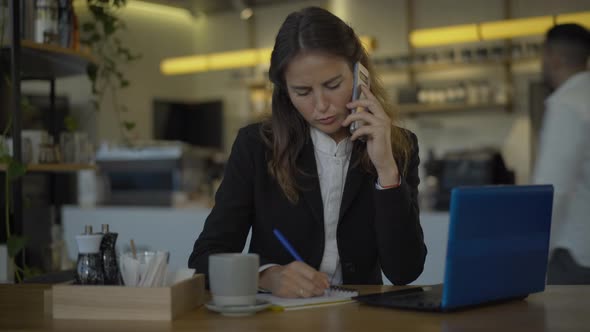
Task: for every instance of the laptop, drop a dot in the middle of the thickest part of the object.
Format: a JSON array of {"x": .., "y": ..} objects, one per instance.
[{"x": 497, "y": 250}]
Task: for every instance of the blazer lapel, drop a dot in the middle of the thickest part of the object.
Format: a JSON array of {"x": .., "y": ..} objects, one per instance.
[
  {"x": 354, "y": 180},
  {"x": 309, "y": 182}
]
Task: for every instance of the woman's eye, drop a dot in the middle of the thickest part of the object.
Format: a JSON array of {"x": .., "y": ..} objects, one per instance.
[
  {"x": 302, "y": 93},
  {"x": 334, "y": 86}
]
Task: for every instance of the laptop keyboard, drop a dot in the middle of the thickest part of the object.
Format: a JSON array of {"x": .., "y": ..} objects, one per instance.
[{"x": 427, "y": 299}]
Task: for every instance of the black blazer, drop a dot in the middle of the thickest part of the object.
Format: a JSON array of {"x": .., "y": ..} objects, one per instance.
[{"x": 378, "y": 229}]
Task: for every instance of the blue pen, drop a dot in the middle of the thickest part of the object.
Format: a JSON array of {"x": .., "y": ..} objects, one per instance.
[{"x": 287, "y": 245}]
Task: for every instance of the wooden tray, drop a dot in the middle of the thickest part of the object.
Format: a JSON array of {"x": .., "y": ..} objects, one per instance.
[
  {"x": 34, "y": 299},
  {"x": 128, "y": 303}
]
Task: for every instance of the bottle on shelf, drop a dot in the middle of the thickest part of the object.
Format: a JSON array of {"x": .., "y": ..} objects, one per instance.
[
  {"x": 65, "y": 23},
  {"x": 46, "y": 22}
]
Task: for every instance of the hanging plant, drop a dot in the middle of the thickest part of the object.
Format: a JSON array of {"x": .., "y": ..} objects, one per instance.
[{"x": 107, "y": 77}]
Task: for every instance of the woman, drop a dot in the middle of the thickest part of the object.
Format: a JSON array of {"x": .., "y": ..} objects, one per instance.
[{"x": 348, "y": 205}]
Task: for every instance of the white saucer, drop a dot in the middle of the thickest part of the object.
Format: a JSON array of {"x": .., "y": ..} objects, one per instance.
[{"x": 240, "y": 310}]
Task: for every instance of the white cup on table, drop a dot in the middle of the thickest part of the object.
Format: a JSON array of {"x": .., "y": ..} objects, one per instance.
[{"x": 233, "y": 278}]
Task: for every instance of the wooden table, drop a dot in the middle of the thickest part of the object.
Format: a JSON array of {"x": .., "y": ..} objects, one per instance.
[{"x": 559, "y": 308}]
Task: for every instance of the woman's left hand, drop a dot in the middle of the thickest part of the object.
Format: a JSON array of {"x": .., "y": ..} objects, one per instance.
[{"x": 377, "y": 131}]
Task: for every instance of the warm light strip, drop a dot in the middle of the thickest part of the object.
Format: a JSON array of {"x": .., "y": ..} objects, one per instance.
[
  {"x": 227, "y": 60},
  {"x": 494, "y": 30},
  {"x": 582, "y": 18},
  {"x": 237, "y": 59},
  {"x": 516, "y": 28},
  {"x": 446, "y": 35},
  {"x": 215, "y": 61},
  {"x": 187, "y": 64}
]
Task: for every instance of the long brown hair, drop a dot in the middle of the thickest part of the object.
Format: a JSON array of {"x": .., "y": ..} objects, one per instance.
[{"x": 286, "y": 132}]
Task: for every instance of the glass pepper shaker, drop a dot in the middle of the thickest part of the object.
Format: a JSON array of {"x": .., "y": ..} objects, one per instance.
[
  {"x": 109, "y": 257},
  {"x": 89, "y": 270}
]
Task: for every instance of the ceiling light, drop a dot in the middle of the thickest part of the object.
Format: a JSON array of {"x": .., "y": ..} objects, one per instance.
[
  {"x": 504, "y": 29},
  {"x": 445, "y": 35},
  {"x": 516, "y": 28},
  {"x": 246, "y": 13}
]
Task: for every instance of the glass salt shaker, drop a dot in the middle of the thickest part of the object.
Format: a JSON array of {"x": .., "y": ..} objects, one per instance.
[{"x": 89, "y": 269}]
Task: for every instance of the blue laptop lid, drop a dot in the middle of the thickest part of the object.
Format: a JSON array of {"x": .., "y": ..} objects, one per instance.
[{"x": 498, "y": 243}]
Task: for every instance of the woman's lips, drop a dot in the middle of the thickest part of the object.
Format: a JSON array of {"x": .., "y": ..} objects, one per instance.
[{"x": 328, "y": 120}]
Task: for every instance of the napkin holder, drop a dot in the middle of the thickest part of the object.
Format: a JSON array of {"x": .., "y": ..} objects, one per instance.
[{"x": 128, "y": 303}]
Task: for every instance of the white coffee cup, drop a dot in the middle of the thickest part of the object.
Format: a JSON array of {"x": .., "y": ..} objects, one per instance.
[{"x": 233, "y": 278}]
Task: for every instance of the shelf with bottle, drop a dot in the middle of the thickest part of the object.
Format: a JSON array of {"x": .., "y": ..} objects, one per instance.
[
  {"x": 418, "y": 109},
  {"x": 453, "y": 58},
  {"x": 41, "y": 61},
  {"x": 478, "y": 95},
  {"x": 50, "y": 40}
]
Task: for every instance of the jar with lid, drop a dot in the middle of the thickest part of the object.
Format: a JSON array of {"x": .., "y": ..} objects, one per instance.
[{"x": 46, "y": 21}]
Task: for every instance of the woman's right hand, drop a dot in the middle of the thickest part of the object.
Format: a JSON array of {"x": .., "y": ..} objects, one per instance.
[{"x": 295, "y": 279}]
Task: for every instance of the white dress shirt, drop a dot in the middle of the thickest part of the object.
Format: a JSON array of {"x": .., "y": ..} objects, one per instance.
[
  {"x": 564, "y": 161},
  {"x": 332, "y": 160}
]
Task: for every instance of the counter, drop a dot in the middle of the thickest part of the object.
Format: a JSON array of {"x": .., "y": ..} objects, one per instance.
[{"x": 175, "y": 230}]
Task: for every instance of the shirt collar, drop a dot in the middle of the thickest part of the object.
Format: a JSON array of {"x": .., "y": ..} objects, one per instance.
[
  {"x": 325, "y": 144},
  {"x": 570, "y": 83}
]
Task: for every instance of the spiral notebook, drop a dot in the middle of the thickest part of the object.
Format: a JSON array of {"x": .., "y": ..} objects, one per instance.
[{"x": 334, "y": 295}]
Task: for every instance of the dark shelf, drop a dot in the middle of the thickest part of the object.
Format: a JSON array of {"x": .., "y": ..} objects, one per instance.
[
  {"x": 55, "y": 168},
  {"x": 43, "y": 61},
  {"x": 443, "y": 65}
]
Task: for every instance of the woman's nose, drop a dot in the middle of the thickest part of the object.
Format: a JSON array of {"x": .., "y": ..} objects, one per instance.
[{"x": 321, "y": 104}]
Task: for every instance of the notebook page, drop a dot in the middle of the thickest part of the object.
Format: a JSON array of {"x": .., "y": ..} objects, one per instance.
[{"x": 332, "y": 296}]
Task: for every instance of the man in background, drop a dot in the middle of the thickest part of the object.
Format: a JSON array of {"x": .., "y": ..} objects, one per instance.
[{"x": 564, "y": 151}]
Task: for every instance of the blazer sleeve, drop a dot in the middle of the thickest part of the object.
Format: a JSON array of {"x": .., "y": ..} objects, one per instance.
[
  {"x": 229, "y": 222},
  {"x": 400, "y": 239}
]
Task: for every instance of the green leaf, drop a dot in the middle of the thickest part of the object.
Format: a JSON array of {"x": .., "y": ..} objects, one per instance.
[
  {"x": 15, "y": 244},
  {"x": 124, "y": 83},
  {"x": 5, "y": 158},
  {"x": 109, "y": 27},
  {"x": 91, "y": 70},
  {"x": 71, "y": 123},
  {"x": 26, "y": 105},
  {"x": 94, "y": 38},
  {"x": 29, "y": 272},
  {"x": 110, "y": 63},
  {"x": 15, "y": 170},
  {"x": 119, "y": 3},
  {"x": 3, "y": 150},
  {"x": 88, "y": 27},
  {"x": 129, "y": 125},
  {"x": 96, "y": 10}
]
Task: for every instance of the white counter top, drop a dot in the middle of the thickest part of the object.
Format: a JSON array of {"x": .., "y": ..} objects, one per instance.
[{"x": 176, "y": 229}]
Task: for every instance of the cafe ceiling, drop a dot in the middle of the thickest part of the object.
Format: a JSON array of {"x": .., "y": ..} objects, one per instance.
[{"x": 210, "y": 7}]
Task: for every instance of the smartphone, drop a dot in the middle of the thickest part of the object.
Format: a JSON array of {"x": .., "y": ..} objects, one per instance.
[{"x": 360, "y": 78}]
